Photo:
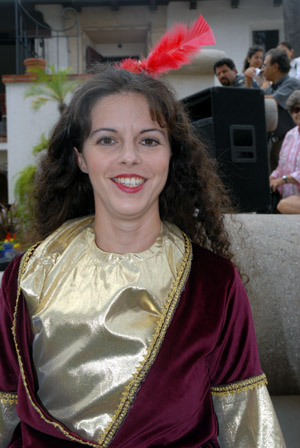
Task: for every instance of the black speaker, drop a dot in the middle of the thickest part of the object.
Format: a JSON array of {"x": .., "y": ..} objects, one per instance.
[{"x": 231, "y": 123}]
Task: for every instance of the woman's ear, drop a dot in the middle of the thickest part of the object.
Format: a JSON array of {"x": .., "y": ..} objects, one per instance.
[{"x": 80, "y": 160}]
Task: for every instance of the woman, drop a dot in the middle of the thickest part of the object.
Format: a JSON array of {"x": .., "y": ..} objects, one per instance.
[
  {"x": 295, "y": 62},
  {"x": 252, "y": 64},
  {"x": 286, "y": 177},
  {"x": 126, "y": 333},
  {"x": 254, "y": 58}
]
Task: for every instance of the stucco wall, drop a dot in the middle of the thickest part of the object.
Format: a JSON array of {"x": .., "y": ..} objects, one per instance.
[
  {"x": 232, "y": 27},
  {"x": 24, "y": 128}
]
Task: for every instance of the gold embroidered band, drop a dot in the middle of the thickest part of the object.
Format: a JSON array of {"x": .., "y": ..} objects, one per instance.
[
  {"x": 240, "y": 386},
  {"x": 8, "y": 397}
]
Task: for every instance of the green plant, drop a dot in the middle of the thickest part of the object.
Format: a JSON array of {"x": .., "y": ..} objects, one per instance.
[
  {"x": 7, "y": 220},
  {"x": 43, "y": 144},
  {"x": 54, "y": 86},
  {"x": 25, "y": 202},
  {"x": 24, "y": 206}
]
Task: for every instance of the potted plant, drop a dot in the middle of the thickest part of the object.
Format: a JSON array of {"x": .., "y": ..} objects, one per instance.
[{"x": 34, "y": 62}]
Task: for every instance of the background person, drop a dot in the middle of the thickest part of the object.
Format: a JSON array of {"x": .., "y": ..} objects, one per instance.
[
  {"x": 294, "y": 62},
  {"x": 286, "y": 177},
  {"x": 276, "y": 68},
  {"x": 228, "y": 76},
  {"x": 252, "y": 65},
  {"x": 254, "y": 58}
]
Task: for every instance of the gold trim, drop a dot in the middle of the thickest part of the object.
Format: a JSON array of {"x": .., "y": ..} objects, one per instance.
[
  {"x": 131, "y": 389},
  {"x": 141, "y": 371},
  {"x": 240, "y": 386},
  {"x": 8, "y": 397}
]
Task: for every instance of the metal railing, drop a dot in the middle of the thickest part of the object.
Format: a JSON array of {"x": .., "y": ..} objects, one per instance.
[{"x": 31, "y": 35}]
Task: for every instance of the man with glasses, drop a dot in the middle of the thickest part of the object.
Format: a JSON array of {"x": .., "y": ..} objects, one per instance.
[{"x": 276, "y": 68}]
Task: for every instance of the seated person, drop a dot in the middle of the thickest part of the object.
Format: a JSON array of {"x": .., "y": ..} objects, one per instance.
[
  {"x": 254, "y": 61},
  {"x": 286, "y": 177},
  {"x": 276, "y": 69},
  {"x": 294, "y": 62},
  {"x": 228, "y": 76}
]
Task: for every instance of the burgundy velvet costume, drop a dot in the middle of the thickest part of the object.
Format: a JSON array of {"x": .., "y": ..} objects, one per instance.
[{"x": 209, "y": 342}]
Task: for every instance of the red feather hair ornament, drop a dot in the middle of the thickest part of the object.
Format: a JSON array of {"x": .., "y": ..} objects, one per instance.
[{"x": 177, "y": 47}]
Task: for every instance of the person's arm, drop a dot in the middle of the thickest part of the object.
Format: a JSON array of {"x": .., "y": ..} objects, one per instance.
[
  {"x": 240, "y": 397},
  {"x": 8, "y": 357},
  {"x": 277, "y": 182},
  {"x": 249, "y": 75},
  {"x": 294, "y": 178},
  {"x": 297, "y": 69},
  {"x": 250, "y": 82}
]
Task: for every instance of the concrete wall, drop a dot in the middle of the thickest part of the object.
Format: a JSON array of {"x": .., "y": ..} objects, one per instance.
[
  {"x": 197, "y": 76},
  {"x": 24, "y": 128},
  {"x": 267, "y": 249}
]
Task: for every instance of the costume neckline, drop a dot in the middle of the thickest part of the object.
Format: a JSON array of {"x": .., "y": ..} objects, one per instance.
[{"x": 137, "y": 257}]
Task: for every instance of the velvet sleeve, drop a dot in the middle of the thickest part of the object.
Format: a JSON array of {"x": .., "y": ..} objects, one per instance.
[
  {"x": 8, "y": 358},
  {"x": 245, "y": 413},
  {"x": 235, "y": 356}
]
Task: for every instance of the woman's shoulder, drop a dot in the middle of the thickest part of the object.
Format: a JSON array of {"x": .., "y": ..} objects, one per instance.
[
  {"x": 9, "y": 283},
  {"x": 291, "y": 135},
  {"x": 215, "y": 279},
  {"x": 211, "y": 263}
]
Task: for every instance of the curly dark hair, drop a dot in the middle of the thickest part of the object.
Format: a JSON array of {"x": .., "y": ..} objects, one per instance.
[
  {"x": 193, "y": 198},
  {"x": 251, "y": 51}
]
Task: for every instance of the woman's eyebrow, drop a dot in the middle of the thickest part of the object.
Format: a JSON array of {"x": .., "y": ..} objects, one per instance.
[
  {"x": 151, "y": 130},
  {"x": 102, "y": 129}
]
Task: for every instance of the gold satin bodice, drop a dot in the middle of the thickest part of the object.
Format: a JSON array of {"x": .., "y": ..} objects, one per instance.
[{"x": 94, "y": 316}]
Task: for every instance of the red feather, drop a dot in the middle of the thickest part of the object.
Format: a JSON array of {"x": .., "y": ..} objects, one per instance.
[
  {"x": 131, "y": 65},
  {"x": 176, "y": 48}
]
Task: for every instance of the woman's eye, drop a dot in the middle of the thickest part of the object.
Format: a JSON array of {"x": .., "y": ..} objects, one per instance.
[
  {"x": 106, "y": 141},
  {"x": 150, "y": 142}
]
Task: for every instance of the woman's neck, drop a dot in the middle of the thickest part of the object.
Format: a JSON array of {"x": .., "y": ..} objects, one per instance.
[{"x": 126, "y": 236}]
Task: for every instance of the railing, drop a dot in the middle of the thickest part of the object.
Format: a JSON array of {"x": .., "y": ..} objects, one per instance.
[{"x": 32, "y": 34}]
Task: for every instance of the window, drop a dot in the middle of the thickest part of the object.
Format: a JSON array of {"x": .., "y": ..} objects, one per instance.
[{"x": 267, "y": 39}]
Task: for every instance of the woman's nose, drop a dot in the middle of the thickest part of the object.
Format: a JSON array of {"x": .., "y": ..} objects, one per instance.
[{"x": 130, "y": 154}]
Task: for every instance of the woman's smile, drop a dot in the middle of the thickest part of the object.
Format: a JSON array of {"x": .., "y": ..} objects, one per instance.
[{"x": 129, "y": 183}]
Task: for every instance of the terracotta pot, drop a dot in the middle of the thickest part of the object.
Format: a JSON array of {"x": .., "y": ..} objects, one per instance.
[{"x": 34, "y": 62}]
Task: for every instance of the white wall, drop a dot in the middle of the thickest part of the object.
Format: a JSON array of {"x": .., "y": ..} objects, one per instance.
[
  {"x": 24, "y": 128},
  {"x": 232, "y": 27},
  {"x": 127, "y": 49},
  {"x": 56, "y": 48},
  {"x": 196, "y": 76}
]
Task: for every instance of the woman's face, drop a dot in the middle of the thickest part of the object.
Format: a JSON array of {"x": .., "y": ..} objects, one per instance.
[
  {"x": 126, "y": 156},
  {"x": 296, "y": 114},
  {"x": 256, "y": 59}
]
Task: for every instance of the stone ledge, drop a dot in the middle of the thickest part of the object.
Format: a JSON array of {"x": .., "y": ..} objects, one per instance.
[
  {"x": 30, "y": 77},
  {"x": 267, "y": 249}
]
